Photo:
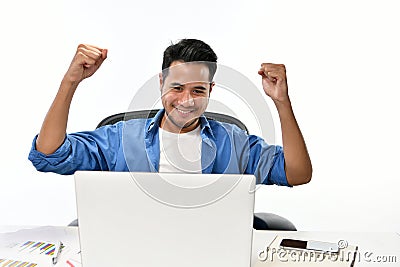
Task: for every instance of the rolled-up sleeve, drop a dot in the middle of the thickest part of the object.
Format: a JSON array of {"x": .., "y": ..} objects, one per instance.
[
  {"x": 91, "y": 150},
  {"x": 267, "y": 162},
  {"x": 277, "y": 174}
]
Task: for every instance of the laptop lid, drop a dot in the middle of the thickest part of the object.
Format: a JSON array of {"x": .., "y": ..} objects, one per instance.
[{"x": 154, "y": 219}]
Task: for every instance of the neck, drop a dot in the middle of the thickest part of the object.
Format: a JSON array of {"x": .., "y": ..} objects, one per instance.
[{"x": 168, "y": 125}]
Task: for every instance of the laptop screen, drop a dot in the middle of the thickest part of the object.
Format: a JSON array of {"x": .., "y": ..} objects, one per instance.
[{"x": 153, "y": 219}]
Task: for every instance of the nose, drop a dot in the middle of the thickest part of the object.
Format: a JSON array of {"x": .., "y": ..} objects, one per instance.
[{"x": 186, "y": 99}]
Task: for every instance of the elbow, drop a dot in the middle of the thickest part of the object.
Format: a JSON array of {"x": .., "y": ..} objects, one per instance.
[
  {"x": 300, "y": 178},
  {"x": 307, "y": 178}
]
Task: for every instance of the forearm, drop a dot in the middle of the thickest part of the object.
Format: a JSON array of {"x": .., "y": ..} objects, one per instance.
[
  {"x": 297, "y": 160},
  {"x": 85, "y": 63},
  {"x": 54, "y": 126}
]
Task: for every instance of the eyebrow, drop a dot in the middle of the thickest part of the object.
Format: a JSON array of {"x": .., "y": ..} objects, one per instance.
[
  {"x": 175, "y": 84},
  {"x": 200, "y": 87}
]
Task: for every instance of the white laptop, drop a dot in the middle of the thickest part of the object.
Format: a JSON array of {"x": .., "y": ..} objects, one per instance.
[{"x": 168, "y": 220}]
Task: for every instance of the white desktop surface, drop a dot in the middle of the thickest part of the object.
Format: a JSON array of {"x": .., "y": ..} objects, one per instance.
[{"x": 376, "y": 245}]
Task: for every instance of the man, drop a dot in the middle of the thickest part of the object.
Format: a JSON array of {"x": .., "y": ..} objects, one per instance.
[{"x": 178, "y": 138}]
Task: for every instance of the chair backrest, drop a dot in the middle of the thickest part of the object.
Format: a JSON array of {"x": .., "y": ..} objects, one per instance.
[
  {"x": 144, "y": 114},
  {"x": 262, "y": 221}
]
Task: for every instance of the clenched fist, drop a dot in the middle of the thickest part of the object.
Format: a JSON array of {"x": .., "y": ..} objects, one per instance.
[
  {"x": 274, "y": 81},
  {"x": 86, "y": 62}
]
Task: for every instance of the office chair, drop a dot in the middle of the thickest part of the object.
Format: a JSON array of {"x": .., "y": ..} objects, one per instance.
[{"x": 262, "y": 221}]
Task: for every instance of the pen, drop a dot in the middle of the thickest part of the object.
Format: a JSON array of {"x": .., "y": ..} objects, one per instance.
[{"x": 57, "y": 252}]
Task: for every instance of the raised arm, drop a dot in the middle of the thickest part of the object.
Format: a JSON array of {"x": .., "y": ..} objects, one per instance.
[
  {"x": 85, "y": 63},
  {"x": 298, "y": 166}
]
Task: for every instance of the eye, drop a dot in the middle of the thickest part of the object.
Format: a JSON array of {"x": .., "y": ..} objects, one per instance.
[
  {"x": 177, "y": 88},
  {"x": 198, "y": 92}
]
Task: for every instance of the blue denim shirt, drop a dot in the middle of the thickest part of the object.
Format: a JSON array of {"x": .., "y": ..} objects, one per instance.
[{"x": 134, "y": 146}]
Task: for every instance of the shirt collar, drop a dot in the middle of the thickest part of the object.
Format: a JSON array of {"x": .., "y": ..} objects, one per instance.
[
  {"x": 155, "y": 121},
  {"x": 205, "y": 127}
]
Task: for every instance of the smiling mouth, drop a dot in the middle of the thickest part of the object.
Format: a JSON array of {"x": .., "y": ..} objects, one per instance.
[{"x": 184, "y": 111}]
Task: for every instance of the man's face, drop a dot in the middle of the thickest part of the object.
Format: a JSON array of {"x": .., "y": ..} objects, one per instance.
[{"x": 185, "y": 92}]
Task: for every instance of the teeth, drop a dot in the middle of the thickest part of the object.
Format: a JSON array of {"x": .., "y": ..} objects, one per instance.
[{"x": 184, "y": 112}]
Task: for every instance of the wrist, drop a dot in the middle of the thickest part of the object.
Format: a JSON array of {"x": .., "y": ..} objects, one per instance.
[
  {"x": 72, "y": 78},
  {"x": 69, "y": 83},
  {"x": 283, "y": 104},
  {"x": 68, "y": 88}
]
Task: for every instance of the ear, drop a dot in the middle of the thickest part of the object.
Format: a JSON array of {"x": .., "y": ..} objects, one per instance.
[
  {"x": 211, "y": 87},
  {"x": 161, "y": 80}
]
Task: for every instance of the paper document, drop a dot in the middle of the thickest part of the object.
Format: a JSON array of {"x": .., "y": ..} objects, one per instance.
[{"x": 40, "y": 247}]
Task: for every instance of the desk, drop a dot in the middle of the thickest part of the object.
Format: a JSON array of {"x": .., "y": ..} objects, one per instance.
[{"x": 375, "y": 249}]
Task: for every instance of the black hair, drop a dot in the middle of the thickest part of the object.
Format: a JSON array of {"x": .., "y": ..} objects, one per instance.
[{"x": 190, "y": 50}]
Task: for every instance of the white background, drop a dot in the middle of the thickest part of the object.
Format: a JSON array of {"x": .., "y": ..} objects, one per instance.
[{"x": 342, "y": 60}]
